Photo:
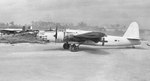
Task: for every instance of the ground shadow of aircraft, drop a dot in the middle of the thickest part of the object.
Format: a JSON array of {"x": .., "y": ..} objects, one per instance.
[{"x": 88, "y": 50}]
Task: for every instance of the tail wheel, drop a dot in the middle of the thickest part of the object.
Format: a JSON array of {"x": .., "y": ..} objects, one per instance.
[{"x": 66, "y": 46}]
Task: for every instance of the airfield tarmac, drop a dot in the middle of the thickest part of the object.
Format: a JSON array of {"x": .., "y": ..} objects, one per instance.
[{"x": 50, "y": 62}]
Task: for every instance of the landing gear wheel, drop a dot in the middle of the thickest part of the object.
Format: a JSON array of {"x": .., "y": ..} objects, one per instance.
[
  {"x": 66, "y": 46},
  {"x": 74, "y": 48}
]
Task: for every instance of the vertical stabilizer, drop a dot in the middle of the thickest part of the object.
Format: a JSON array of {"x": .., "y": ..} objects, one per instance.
[{"x": 132, "y": 31}]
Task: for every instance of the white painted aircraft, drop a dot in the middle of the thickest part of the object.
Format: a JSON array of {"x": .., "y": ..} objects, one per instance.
[{"x": 74, "y": 38}]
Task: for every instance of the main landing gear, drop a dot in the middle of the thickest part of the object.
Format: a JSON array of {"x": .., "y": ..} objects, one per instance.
[
  {"x": 71, "y": 47},
  {"x": 66, "y": 46}
]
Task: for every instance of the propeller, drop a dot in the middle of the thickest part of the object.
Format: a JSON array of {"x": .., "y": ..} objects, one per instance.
[{"x": 56, "y": 32}]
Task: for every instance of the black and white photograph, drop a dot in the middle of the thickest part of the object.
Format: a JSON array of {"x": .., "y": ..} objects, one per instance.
[{"x": 74, "y": 40}]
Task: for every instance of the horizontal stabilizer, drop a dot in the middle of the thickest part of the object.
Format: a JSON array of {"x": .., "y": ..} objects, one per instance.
[{"x": 133, "y": 38}]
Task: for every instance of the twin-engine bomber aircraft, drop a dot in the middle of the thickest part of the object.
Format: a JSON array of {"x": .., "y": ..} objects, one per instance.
[{"x": 72, "y": 42}]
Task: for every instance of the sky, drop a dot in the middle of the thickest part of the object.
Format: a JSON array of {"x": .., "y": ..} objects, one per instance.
[{"x": 93, "y": 12}]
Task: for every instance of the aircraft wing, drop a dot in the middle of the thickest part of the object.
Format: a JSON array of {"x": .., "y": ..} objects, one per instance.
[{"x": 92, "y": 36}]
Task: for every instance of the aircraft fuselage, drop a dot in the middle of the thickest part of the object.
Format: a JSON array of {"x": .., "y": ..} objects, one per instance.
[
  {"x": 109, "y": 40},
  {"x": 114, "y": 41}
]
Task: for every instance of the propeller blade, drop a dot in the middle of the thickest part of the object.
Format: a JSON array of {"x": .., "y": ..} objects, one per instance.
[{"x": 56, "y": 32}]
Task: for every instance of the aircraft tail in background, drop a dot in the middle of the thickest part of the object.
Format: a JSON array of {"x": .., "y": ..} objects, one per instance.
[{"x": 132, "y": 31}]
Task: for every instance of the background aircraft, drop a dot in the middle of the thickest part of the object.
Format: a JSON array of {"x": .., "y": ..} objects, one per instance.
[
  {"x": 74, "y": 38},
  {"x": 10, "y": 31}
]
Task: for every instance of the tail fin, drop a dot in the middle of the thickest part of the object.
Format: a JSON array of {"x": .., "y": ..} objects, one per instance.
[{"x": 132, "y": 31}]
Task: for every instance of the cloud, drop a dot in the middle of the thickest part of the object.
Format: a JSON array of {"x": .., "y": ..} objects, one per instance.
[
  {"x": 59, "y": 4},
  {"x": 90, "y": 11}
]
